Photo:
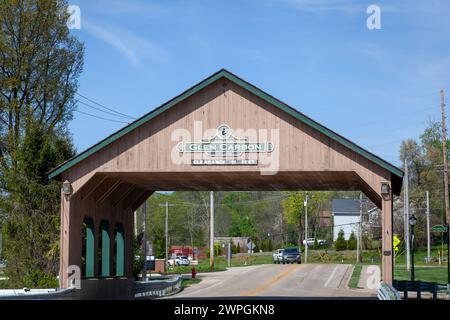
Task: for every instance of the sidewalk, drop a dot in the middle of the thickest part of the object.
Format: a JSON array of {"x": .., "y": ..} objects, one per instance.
[{"x": 364, "y": 281}]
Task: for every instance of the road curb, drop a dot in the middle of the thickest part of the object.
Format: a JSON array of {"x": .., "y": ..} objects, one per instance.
[{"x": 348, "y": 276}]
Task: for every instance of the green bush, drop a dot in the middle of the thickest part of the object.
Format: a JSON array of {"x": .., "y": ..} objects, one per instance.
[
  {"x": 352, "y": 242},
  {"x": 217, "y": 250},
  {"x": 316, "y": 244},
  {"x": 341, "y": 243},
  {"x": 270, "y": 246}
]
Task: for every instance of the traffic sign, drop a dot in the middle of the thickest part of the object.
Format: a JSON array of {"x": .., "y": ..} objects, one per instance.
[
  {"x": 439, "y": 229},
  {"x": 251, "y": 245},
  {"x": 396, "y": 242}
]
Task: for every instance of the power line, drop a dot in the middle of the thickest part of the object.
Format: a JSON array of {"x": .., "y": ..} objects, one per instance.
[
  {"x": 268, "y": 199},
  {"x": 101, "y": 118},
  {"x": 98, "y": 109},
  {"x": 105, "y": 107}
]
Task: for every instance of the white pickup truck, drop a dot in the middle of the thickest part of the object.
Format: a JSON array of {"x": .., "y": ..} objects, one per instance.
[
  {"x": 277, "y": 256},
  {"x": 311, "y": 241}
]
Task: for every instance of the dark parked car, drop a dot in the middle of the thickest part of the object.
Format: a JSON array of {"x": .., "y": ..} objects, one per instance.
[{"x": 291, "y": 255}]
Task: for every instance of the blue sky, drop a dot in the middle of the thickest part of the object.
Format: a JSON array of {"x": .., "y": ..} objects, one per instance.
[{"x": 375, "y": 87}]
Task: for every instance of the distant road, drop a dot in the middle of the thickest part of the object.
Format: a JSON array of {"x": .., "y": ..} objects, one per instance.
[{"x": 292, "y": 280}]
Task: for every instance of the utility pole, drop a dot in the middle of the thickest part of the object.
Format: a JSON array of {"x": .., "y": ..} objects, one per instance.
[
  {"x": 406, "y": 217},
  {"x": 447, "y": 214},
  {"x": 166, "y": 228},
  {"x": 428, "y": 227},
  {"x": 211, "y": 232},
  {"x": 306, "y": 227},
  {"x": 358, "y": 242},
  {"x": 145, "y": 240},
  {"x": 135, "y": 224}
]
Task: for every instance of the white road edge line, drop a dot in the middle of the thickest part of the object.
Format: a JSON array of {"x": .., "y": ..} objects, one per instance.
[{"x": 331, "y": 277}]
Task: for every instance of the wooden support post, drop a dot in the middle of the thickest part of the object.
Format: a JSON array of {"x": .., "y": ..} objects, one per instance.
[
  {"x": 387, "y": 260},
  {"x": 64, "y": 241}
]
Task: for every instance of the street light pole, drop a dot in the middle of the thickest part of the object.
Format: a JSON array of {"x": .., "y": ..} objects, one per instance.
[
  {"x": 145, "y": 240},
  {"x": 412, "y": 222},
  {"x": 167, "y": 230},
  {"x": 406, "y": 216},
  {"x": 358, "y": 243},
  {"x": 428, "y": 228},
  {"x": 211, "y": 232},
  {"x": 166, "y": 227}
]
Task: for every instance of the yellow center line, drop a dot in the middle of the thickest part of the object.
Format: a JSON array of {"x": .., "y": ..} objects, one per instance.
[{"x": 269, "y": 283}]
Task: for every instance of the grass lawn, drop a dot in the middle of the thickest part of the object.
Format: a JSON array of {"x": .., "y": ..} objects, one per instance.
[
  {"x": 421, "y": 254},
  {"x": 435, "y": 274},
  {"x": 189, "y": 282},
  {"x": 353, "y": 283},
  {"x": 345, "y": 257}
]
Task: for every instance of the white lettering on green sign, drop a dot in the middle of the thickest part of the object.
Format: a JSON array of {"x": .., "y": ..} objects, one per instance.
[{"x": 225, "y": 144}]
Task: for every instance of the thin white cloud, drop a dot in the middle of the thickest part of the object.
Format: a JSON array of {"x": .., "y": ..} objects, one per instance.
[
  {"x": 325, "y": 5},
  {"x": 342, "y": 6},
  {"x": 120, "y": 7},
  {"x": 133, "y": 47}
]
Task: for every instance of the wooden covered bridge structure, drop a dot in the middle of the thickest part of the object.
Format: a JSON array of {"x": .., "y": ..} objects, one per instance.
[{"x": 221, "y": 134}]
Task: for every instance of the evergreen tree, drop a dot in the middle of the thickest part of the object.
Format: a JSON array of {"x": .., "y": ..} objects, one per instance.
[
  {"x": 316, "y": 244},
  {"x": 40, "y": 66},
  {"x": 341, "y": 243},
  {"x": 351, "y": 243}
]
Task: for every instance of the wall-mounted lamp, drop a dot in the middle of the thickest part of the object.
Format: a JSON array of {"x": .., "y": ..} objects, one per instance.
[
  {"x": 385, "y": 189},
  {"x": 67, "y": 188}
]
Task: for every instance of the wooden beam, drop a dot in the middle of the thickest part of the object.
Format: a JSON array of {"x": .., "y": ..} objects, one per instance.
[
  {"x": 125, "y": 194},
  {"x": 92, "y": 185},
  {"x": 106, "y": 189},
  {"x": 138, "y": 202},
  {"x": 132, "y": 197}
]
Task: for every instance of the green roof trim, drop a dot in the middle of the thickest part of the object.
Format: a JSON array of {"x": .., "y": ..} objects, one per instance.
[{"x": 240, "y": 82}]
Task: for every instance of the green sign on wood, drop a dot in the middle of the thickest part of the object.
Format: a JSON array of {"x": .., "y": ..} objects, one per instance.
[{"x": 439, "y": 229}]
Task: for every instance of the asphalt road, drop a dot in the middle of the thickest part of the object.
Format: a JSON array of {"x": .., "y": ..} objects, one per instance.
[{"x": 293, "y": 280}]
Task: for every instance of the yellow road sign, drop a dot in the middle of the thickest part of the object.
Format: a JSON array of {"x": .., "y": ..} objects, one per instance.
[{"x": 396, "y": 242}]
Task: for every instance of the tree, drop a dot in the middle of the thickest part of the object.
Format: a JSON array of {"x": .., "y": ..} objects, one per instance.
[
  {"x": 351, "y": 243},
  {"x": 294, "y": 210},
  {"x": 138, "y": 264},
  {"x": 40, "y": 64},
  {"x": 316, "y": 244},
  {"x": 424, "y": 160},
  {"x": 411, "y": 152},
  {"x": 341, "y": 243},
  {"x": 242, "y": 220}
]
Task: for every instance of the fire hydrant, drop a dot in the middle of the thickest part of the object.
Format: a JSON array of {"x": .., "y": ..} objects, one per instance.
[{"x": 193, "y": 273}]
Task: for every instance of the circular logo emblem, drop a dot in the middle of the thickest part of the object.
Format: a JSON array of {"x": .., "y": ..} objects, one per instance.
[{"x": 224, "y": 132}]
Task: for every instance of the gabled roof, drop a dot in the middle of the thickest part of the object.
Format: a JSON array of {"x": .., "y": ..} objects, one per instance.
[
  {"x": 346, "y": 207},
  {"x": 55, "y": 173}
]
